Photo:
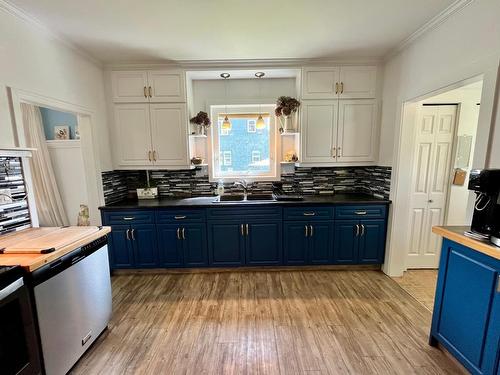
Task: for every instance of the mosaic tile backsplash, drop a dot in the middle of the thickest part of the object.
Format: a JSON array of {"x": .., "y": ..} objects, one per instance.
[
  {"x": 119, "y": 185},
  {"x": 14, "y": 215}
]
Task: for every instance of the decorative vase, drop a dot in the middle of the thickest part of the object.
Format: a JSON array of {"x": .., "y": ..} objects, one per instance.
[{"x": 200, "y": 130}]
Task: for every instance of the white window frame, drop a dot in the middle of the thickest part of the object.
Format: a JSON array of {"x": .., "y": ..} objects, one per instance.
[{"x": 213, "y": 144}]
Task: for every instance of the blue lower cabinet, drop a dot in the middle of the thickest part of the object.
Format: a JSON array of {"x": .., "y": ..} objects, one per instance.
[
  {"x": 170, "y": 245},
  {"x": 346, "y": 241},
  {"x": 296, "y": 242},
  {"x": 226, "y": 243},
  {"x": 371, "y": 242},
  {"x": 145, "y": 248},
  {"x": 194, "y": 245},
  {"x": 121, "y": 252},
  {"x": 467, "y": 307},
  {"x": 263, "y": 243},
  {"x": 320, "y": 242}
]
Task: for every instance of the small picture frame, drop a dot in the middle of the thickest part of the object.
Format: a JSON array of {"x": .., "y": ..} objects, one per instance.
[{"x": 61, "y": 132}]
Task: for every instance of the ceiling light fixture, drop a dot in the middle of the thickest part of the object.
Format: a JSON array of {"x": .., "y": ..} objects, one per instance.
[
  {"x": 226, "y": 124},
  {"x": 260, "y": 124}
]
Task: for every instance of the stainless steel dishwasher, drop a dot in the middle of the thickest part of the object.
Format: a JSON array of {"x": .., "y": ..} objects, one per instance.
[{"x": 73, "y": 304}]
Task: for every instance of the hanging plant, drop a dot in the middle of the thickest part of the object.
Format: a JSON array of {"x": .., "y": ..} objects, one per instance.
[
  {"x": 201, "y": 119},
  {"x": 286, "y": 105}
]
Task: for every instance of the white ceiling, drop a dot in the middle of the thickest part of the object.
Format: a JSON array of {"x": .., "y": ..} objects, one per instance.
[{"x": 159, "y": 30}]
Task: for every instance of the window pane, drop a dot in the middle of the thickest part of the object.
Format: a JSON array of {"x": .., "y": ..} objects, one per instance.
[{"x": 244, "y": 149}]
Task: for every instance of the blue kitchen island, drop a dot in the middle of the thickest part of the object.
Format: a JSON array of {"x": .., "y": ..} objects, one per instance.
[{"x": 466, "y": 317}]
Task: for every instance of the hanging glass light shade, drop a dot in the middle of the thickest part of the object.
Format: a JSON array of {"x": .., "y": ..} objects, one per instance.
[
  {"x": 260, "y": 124},
  {"x": 226, "y": 124}
]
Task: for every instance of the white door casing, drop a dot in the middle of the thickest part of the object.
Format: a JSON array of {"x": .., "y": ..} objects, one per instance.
[{"x": 431, "y": 173}]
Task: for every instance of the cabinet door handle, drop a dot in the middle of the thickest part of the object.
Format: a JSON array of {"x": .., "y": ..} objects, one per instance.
[
  {"x": 341, "y": 87},
  {"x": 183, "y": 233},
  {"x": 336, "y": 87},
  {"x": 498, "y": 284},
  {"x": 150, "y": 92},
  {"x": 154, "y": 155},
  {"x": 360, "y": 212},
  {"x": 127, "y": 234},
  {"x": 145, "y": 92},
  {"x": 132, "y": 232},
  {"x": 128, "y": 218},
  {"x": 247, "y": 230},
  {"x": 149, "y": 156},
  {"x": 309, "y": 213},
  {"x": 362, "y": 229},
  {"x": 178, "y": 233},
  {"x": 357, "y": 230},
  {"x": 180, "y": 217},
  {"x": 306, "y": 228},
  {"x": 334, "y": 152},
  {"x": 311, "y": 230},
  {"x": 242, "y": 230},
  {"x": 339, "y": 152}
]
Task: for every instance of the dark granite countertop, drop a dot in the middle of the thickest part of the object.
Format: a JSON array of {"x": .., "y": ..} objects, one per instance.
[{"x": 204, "y": 202}]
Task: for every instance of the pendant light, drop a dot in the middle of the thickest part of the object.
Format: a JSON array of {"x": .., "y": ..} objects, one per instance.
[
  {"x": 226, "y": 124},
  {"x": 260, "y": 124}
]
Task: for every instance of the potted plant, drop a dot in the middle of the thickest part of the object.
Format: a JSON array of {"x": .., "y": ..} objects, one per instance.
[
  {"x": 202, "y": 122},
  {"x": 285, "y": 107}
]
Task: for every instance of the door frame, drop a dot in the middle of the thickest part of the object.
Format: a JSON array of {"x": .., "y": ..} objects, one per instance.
[
  {"x": 397, "y": 241},
  {"x": 90, "y": 152}
]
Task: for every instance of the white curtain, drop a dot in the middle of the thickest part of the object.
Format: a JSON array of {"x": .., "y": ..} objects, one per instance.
[{"x": 48, "y": 200}]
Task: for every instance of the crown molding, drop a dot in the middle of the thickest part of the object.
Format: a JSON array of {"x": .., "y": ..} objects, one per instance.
[
  {"x": 241, "y": 63},
  {"x": 433, "y": 23},
  {"x": 27, "y": 18}
]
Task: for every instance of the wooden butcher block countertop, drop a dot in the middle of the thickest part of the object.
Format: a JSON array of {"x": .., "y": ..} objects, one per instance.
[
  {"x": 456, "y": 234},
  {"x": 34, "y": 247}
]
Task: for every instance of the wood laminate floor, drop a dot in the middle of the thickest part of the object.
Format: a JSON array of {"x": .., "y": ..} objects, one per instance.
[
  {"x": 290, "y": 322},
  {"x": 421, "y": 285}
]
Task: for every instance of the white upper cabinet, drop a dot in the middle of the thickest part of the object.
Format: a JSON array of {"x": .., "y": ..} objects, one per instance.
[
  {"x": 357, "y": 131},
  {"x": 320, "y": 83},
  {"x": 357, "y": 82},
  {"x": 346, "y": 82},
  {"x": 132, "y": 135},
  {"x": 167, "y": 86},
  {"x": 338, "y": 131},
  {"x": 169, "y": 134},
  {"x": 319, "y": 131},
  {"x": 142, "y": 86},
  {"x": 130, "y": 86}
]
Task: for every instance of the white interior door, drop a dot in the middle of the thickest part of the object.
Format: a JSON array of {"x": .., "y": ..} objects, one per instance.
[
  {"x": 319, "y": 130},
  {"x": 133, "y": 134},
  {"x": 169, "y": 134},
  {"x": 430, "y": 183}
]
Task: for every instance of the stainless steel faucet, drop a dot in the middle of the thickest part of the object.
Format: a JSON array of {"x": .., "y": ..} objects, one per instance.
[{"x": 244, "y": 185}]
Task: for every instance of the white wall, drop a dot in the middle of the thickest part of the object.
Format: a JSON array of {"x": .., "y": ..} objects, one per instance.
[
  {"x": 466, "y": 45},
  {"x": 33, "y": 61}
]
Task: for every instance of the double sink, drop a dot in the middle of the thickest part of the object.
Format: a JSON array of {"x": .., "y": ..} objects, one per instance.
[{"x": 228, "y": 198}]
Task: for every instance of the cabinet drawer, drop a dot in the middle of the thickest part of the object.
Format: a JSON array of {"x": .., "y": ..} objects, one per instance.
[
  {"x": 308, "y": 213},
  {"x": 360, "y": 212},
  {"x": 129, "y": 217},
  {"x": 244, "y": 213},
  {"x": 177, "y": 216}
]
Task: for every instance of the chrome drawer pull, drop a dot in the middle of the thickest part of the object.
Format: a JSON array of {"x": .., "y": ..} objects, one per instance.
[
  {"x": 360, "y": 212},
  {"x": 179, "y": 217},
  {"x": 128, "y": 218},
  {"x": 178, "y": 233},
  {"x": 127, "y": 233},
  {"x": 132, "y": 232},
  {"x": 362, "y": 229},
  {"x": 311, "y": 230},
  {"x": 183, "y": 233},
  {"x": 309, "y": 213},
  {"x": 306, "y": 229},
  {"x": 242, "y": 230},
  {"x": 357, "y": 230}
]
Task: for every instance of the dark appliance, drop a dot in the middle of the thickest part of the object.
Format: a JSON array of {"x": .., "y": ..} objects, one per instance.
[
  {"x": 486, "y": 218},
  {"x": 19, "y": 349}
]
